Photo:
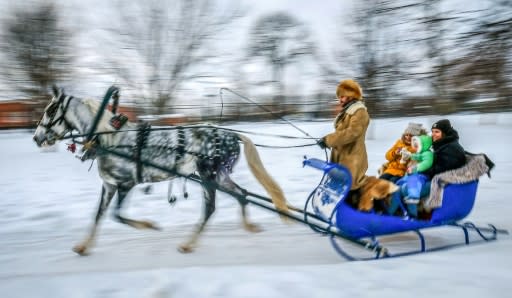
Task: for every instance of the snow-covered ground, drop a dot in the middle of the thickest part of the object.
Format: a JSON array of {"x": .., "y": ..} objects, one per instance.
[{"x": 48, "y": 200}]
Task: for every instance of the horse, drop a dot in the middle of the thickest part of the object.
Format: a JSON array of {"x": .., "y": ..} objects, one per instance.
[{"x": 209, "y": 152}]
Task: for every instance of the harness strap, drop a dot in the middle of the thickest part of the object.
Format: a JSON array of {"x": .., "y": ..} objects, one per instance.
[
  {"x": 142, "y": 136},
  {"x": 180, "y": 148},
  {"x": 217, "y": 145},
  {"x": 64, "y": 110},
  {"x": 63, "y": 107}
]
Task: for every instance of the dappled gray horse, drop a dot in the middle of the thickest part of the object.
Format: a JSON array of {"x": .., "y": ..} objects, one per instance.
[{"x": 208, "y": 151}]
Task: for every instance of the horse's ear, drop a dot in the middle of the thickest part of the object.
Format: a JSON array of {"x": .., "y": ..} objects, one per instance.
[{"x": 55, "y": 90}]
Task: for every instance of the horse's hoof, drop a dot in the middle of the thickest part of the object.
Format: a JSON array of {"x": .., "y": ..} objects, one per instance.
[
  {"x": 253, "y": 228},
  {"x": 185, "y": 249},
  {"x": 147, "y": 190},
  {"x": 149, "y": 225},
  {"x": 152, "y": 226},
  {"x": 285, "y": 219},
  {"x": 81, "y": 250},
  {"x": 155, "y": 227},
  {"x": 172, "y": 200}
]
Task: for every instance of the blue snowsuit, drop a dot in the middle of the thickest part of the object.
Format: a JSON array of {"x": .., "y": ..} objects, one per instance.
[{"x": 415, "y": 185}]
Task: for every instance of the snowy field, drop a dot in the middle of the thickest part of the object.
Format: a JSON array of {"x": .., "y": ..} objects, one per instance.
[{"x": 48, "y": 200}]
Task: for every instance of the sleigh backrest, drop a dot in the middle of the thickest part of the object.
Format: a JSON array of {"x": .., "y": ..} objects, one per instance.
[{"x": 458, "y": 201}]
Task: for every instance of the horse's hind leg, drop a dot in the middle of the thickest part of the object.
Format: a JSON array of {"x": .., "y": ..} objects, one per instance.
[
  {"x": 107, "y": 192},
  {"x": 225, "y": 182},
  {"x": 138, "y": 224},
  {"x": 248, "y": 226},
  {"x": 209, "y": 208}
]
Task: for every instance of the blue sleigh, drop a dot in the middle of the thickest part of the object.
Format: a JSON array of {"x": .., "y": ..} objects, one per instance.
[{"x": 328, "y": 203}]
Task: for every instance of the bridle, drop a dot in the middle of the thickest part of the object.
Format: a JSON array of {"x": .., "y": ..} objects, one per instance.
[{"x": 51, "y": 112}]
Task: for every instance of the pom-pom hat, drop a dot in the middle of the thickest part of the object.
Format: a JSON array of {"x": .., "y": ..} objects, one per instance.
[{"x": 415, "y": 129}]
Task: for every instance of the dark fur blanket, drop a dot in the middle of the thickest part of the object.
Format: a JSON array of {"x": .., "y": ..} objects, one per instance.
[{"x": 476, "y": 166}]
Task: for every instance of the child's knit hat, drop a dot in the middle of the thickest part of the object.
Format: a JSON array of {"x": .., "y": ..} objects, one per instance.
[{"x": 415, "y": 129}]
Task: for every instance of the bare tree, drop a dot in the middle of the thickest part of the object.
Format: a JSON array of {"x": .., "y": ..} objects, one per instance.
[
  {"x": 37, "y": 50},
  {"x": 372, "y": 49},
  {"x": 281, "y": 40},
  {"x": 166, "y": 43},
  {"x": 374, "y": 46},
  {"x": 437, "y": 23},
  {"x": 417, "y": 45},
  {"x": 484, "y": 69}
]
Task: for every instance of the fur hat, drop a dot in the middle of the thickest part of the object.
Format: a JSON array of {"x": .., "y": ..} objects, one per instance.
[
  {"x": 349, "y": 88},
  {"x": 444, "y": 126},
  {"x": 415, "y": 129}
]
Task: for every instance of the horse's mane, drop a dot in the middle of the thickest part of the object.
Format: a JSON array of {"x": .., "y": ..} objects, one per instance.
[
  {"x": 94, "y": 106},
  {"x": 104, "y": 123}
]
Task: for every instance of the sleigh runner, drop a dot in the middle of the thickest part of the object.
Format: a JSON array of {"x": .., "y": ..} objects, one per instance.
[{"x": 326, "y": 209}]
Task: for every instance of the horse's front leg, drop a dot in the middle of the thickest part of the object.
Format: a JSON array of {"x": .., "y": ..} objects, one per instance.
[
  {"x": 209, "y": 207},
  {"x": 122, "y": 191},
  {"x": 107, "y": 192},
  {"x": 171, "y": 197}
]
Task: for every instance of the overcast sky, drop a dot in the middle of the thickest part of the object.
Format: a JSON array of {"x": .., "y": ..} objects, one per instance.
[
  {"x": 323, "y": 17},
  {"x": 86, "y": 17}
]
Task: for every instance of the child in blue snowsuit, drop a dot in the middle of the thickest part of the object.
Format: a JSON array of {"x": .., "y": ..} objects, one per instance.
[{"x": 414, "y": 181}]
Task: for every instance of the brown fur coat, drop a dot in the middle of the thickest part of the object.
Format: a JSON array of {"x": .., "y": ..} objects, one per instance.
[{"x": 347, "y": 142}]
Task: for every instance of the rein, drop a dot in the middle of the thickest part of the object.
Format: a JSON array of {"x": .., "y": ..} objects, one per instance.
[
  {"x": 180, "y": 128},
  {"x": 265, "y": 109},
  {"x": 113, "y": 93}
]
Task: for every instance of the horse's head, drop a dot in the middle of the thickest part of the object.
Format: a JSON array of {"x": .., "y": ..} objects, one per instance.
[{"x": 53, "y": 125}]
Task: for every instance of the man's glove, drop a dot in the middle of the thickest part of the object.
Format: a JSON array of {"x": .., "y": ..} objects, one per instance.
[{"x": 321, "y": 143}]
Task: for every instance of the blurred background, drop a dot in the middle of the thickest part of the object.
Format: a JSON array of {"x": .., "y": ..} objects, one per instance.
[{"x": 171, "y": 58}]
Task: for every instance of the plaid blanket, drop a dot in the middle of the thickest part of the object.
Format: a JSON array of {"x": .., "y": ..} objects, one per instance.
[{"x": 476, "y": 166}]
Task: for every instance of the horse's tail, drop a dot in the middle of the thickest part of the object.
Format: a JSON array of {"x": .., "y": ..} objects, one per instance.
[{"x": 258, "y": 170}]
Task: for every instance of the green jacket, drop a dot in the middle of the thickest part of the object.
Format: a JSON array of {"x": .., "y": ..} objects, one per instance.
[{"x": 424, "y": 155}]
